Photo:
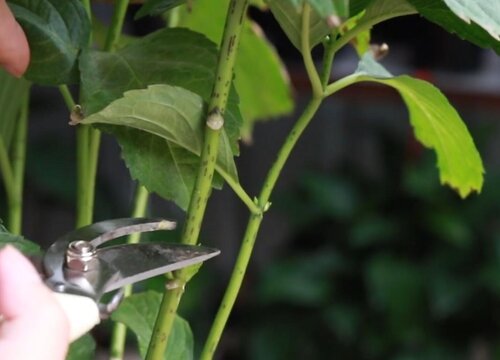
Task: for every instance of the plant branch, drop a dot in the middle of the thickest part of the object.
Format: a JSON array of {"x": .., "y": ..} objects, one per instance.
[
  {"x": 203, "y": 185},
  {"x": 239, "y": 191},
  {"x": 18, "y": 166},
  {"x": 328, "y": 56},
  {"x": 305, "y": 48},
  {"x": 115, "y": 29},
  {"x": 7, "y": 172},
  {"x": 252, "y": 231},
  {"x": 341, "y": 83},
  {"x": 119, "y": 334}
]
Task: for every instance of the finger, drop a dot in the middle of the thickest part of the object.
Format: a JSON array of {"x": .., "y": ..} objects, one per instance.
[
  {"x": 34, "y": 324},
  {"x": 14, "y": 48}
]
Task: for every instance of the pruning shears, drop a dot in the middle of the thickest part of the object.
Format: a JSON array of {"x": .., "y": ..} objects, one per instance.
[{"x": 79, "y": 271}]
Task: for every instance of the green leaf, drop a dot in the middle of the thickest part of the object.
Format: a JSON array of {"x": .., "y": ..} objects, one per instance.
[
  {"x": 257, "y": 67},
  {"x": 157, "y": 7},
  {"x": 178, "y": 57},
  {"x": 380, "y": 10},
  {"x": 12, "y": 93},
  {"x": 176, "y": 116},
  {"x": 25, "y": 246},
  {"x": 289, "y": 16},
  {"x": 485, "y": 13},
  {"x": 356, "y": 6},
  {"x": 436, "y": 124},
  {"x": 57, "y": 30},
  {"x": 437, "y": 12},
  {"x": 82, "y": 349},
  {"x": 139, "y": 312}
]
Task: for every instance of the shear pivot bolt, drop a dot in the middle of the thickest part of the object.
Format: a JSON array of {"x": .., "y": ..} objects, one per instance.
[{"x": 80, "y": 255}]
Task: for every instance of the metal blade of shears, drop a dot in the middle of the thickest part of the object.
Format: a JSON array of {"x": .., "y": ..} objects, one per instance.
[{"x": 126, "y": 264}]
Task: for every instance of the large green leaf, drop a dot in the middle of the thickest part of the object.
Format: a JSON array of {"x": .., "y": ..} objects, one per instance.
[
  {"x": 157, "y": 7},
  {"x": 436, "y": 125},
  {"x": 168, "y": 163},
  {"x": 82, "y": 349},
  {"x": 260, "y": 77},
  {"x": 139, "y": 311},
  {"x": 290, "y": 19},
  {"x": 25, "y": 246},
  {"x": 380, "y": 10},
  {"x": 177, "y": 57},
  {"x": 161, "y": 166},
  {"x": 437, "y": 12},
  {"x": 485, "y": 13},
  {"x": 57, "y": 30},
  {"x": 12, "y": 93}
]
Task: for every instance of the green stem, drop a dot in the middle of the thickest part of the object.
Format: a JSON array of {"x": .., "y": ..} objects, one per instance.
[
  {"x": 252, "y": 231},
  {"x": 18, "y": 166},
  {"x": 7, "y": 172},
  {"x": 83, "y": 211},
  {"x": 239, "y": 191},
  {"x": 89, "y": 139},
  {"x": 201, "y": 191},
  {"x": 120, "y": 330},
  {"x": 312, "y": 73},
  {"x": 67, "y": 97},
  {"x": 116, "y": 25},
  {"x": 341, "y": 83},
  {"x": 328, "y": 59}
]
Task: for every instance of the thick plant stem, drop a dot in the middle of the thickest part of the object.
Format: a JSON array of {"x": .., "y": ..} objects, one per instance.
[
  {"x": 89, "y": 139},
  {"x": 203, "y": 185},
  {"x": 252, "y": 230},
  {"x": 18, "y": 166},
  {"x": 305, "y": 47},
  {"x": 6, "y": 171},
  {"x": 116, "y": 24},
  {"x": 119, "y": 334}
]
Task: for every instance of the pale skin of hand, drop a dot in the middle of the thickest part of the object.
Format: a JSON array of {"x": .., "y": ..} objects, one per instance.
[
  {"x": 14, "y": 49},
  {"x": 34, "y": 325}
]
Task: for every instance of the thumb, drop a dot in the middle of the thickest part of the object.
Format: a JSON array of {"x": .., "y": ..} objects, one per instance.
[
  {"x": 14, "y": 48},
  {"x": 34, "y": 325}
]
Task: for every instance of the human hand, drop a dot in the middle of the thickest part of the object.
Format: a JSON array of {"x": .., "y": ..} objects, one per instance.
[
  {"x": 34, "y": 325},
  {"x": 14, "y": 49}
]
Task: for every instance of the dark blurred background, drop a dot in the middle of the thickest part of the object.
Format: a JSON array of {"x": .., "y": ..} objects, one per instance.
[{"x": 363, "y": 255}]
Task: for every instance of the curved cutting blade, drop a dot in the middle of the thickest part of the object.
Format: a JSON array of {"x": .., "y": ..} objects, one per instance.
[{"x": 127, "y": 264}]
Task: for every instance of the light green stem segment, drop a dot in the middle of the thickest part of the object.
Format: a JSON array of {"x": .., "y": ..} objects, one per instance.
[
  {"x": 223, "y": 78},
  {"x": 252, "y": 230},
  {"x": 13, "y": 169},
  {"x": 18, "y": 167},
  {"x": 120, "y": 330},
  {"x": 89, "y": 139}
]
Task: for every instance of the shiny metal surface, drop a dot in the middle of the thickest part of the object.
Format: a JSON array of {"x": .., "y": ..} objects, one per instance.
[{"x": 117, "y": 266}]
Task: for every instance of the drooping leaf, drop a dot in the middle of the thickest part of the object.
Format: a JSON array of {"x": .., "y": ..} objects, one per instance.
[
  {"x": 436, "y": 124},
  {"x": 289, "y": 16},
  {"x": 485, "y": 13},
  {"x": 157, "y": 7},
  {"x": 178, "y": 57},
  {"x": 175, "y": 117},
  {"x": 356, "y": 6},
  {"x": 12, "y": 93},
  {"x": 139, "y": 311},
  {"x": 82, "y": 348},
  {"x": 380, "y": 10},
  {"x": 25, "y": 246},
  {"x": 437, "y": 12},
  {"x": 257, "y": 65},
  {"x": 57, "y": 30}
]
